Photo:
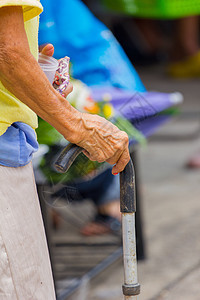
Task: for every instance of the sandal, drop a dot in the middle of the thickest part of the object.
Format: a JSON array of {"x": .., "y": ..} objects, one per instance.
[
  {"x": 194, "y": 162},
  {"x": 102, "y": 224},
  {"x": 188, "y": 68}
]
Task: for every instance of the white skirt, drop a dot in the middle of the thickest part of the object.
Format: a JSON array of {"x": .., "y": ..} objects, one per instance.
[{"x": 25, "y": 270}]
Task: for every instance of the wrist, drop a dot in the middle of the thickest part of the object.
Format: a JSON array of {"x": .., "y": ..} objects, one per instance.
[
  {"x": 63, "y": 117},
  {"x": 71, "y": 123},
  {"x": 74, "y": 134}
]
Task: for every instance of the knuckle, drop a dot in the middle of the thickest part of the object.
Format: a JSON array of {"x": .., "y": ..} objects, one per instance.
[
  {"x": 126, "y": 160},
  {"x": 92, "y": 158},
  {"x": 123, "y": 163},
  {"x": 119, "y": 146},
  {"x": 121, "y": 169},
  {"x": 128, "y": 155},
  {"x": 100, "y": 161},
  {"x": 111, "y": 161},
  {"x": 100, "y": 158},
  {"x": 125, "y": 137}
]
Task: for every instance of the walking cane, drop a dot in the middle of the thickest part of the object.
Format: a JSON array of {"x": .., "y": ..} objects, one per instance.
[{"x": 131, "y": 287}]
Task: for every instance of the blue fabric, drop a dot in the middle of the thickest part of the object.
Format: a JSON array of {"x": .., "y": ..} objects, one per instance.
[
  {"x": 17, "y": 145},
  {"x": 102, "y": 189},
  {"x": 97, "y": 57}
]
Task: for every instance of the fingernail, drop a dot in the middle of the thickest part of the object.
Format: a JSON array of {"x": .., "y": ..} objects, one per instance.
[{"x": 115, "y": 173}]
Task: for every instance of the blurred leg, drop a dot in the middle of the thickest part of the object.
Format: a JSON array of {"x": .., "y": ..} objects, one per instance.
[
  {"x": 186, "y": 37},
  {"x": 108, "y": 215},
  {"x": 185, "y": 51},
  {"x": 151, "y": 34}
]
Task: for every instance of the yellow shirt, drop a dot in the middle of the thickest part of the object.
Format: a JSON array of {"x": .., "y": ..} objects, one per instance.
[{"x": 12, "y": 109}]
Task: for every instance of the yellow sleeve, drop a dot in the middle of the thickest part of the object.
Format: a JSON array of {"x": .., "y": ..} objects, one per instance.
[{"x": 31, "y": 8}]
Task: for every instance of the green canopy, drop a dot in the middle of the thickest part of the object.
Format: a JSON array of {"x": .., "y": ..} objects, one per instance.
[{"x": 160, "y": 9}]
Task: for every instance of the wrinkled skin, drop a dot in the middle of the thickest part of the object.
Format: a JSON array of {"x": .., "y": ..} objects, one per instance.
[{"x": 101, "y": 140}]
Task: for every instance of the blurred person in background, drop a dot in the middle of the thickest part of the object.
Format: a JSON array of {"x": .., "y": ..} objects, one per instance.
[
  {"x": 185, "y": 52},
  {"x": 183, "y": 47},
  {"x": 145, "y": 21}
]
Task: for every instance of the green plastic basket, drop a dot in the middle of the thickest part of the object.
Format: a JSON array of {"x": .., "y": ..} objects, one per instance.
[{"x": 167, "y": 9}]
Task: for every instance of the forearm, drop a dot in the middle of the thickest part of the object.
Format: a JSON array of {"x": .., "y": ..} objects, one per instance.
[{"x": 21, "y": 74}]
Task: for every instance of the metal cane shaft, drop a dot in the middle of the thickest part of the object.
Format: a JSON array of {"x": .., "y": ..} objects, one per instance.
[
  {"x": 129, "y": 251},
  {"x": 129, "y": 248},
  {"x": 131, "y": 288}
]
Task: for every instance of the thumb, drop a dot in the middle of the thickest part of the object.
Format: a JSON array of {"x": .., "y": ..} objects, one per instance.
[{"x": 47, "y": 50}]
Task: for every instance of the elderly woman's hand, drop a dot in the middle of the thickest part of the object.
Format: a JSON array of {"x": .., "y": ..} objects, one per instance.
[{"x": 103, "y": 141}]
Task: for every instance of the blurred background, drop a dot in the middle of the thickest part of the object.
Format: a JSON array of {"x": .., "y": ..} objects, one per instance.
[{"x": 149, "y": 87}]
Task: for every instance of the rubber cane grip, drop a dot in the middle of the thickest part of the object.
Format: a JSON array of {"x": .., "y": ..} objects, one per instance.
[{"x": 67, "y": 157}]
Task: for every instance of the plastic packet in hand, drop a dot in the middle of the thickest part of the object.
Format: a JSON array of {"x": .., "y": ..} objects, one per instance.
[{"x": 61, "y": 79}]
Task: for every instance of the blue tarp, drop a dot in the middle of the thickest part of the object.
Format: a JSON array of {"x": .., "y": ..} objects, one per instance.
[{"x": 97, "y": 57}]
